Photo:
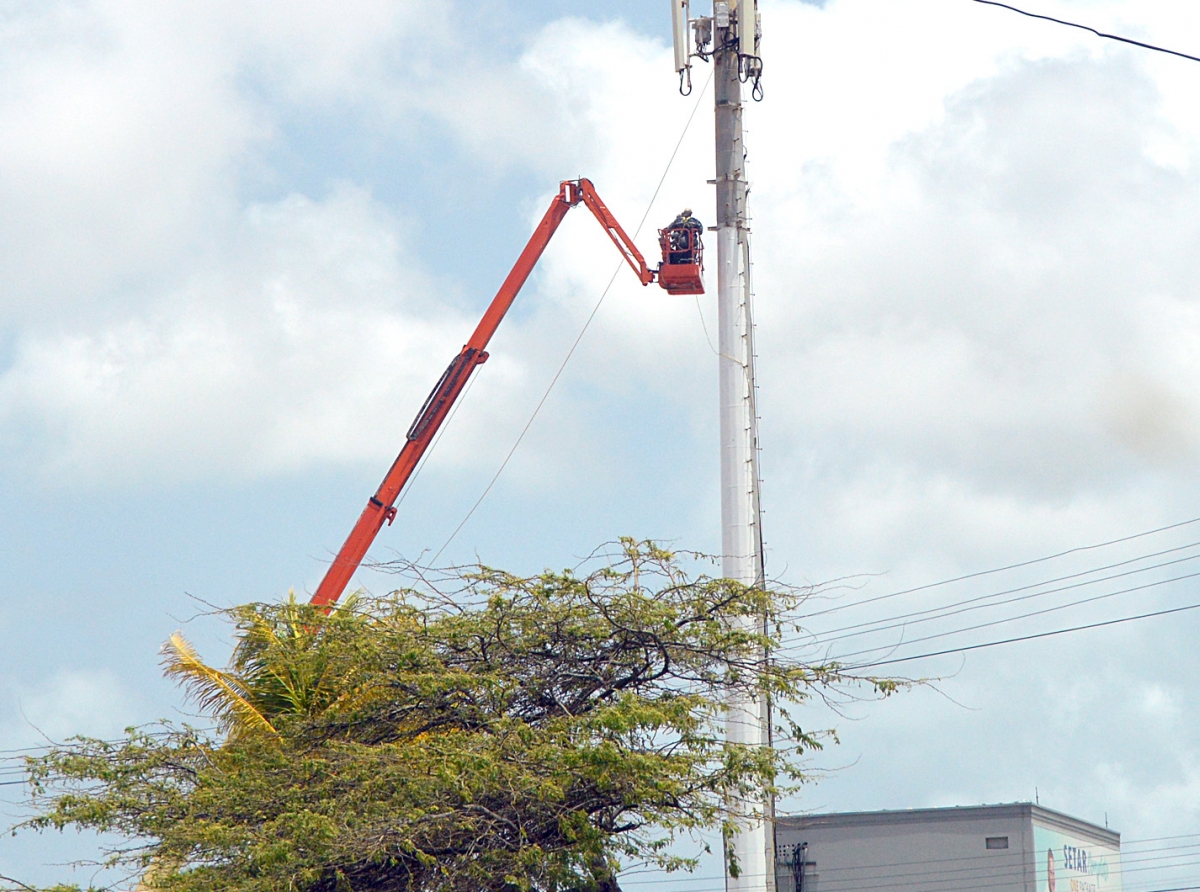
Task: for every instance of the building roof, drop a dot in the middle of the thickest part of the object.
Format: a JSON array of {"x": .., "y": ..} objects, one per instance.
[{"x": 1012, "y": 810}]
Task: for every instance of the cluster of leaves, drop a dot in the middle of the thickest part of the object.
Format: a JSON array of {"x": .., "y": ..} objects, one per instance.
[{"x": 521, "y": 733}]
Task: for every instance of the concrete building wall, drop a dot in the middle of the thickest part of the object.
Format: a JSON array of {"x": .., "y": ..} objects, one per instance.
[{"x": 983, "y": 849}]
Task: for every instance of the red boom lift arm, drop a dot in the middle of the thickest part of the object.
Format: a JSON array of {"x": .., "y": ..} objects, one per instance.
[{"x": 381, "y": 506}]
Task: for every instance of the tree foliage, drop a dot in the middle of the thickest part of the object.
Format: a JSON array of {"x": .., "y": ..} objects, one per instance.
[{"x": 514, "y": 733}]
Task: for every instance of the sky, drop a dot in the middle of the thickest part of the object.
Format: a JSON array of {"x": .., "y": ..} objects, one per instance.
[{"x": 241, "y": 241}]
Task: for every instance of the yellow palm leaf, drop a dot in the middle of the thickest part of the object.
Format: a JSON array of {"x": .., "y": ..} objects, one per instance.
[{"x": 214, "y": 691}]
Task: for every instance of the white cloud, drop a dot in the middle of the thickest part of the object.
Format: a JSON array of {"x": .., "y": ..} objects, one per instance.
[
  {"x": 161, "y": 322},
  {"x": 968, "y": 269},
  {"x": 284, "y": 356},
  {"x": 95, "y": 703},
  {"x": 994, "y": 314}
]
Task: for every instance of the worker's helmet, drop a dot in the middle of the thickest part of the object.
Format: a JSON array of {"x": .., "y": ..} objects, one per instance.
[{"x": 687, "y": 212}]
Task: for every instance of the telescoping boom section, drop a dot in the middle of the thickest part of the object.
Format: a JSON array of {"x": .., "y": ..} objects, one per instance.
[{"x": 381, "y": 507}]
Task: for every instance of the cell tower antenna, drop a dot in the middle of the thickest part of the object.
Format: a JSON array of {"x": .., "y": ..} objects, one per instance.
[{"x": 730, "y": 38}]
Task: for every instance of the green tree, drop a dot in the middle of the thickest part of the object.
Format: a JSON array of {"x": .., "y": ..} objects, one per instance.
[{"x": 513, "y": 733}]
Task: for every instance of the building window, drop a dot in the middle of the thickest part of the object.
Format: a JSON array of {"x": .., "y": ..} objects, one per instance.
[{"x": 996, "y": 842}]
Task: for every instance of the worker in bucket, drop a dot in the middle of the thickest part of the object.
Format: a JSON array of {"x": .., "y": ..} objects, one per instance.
[{"x": 685, "y": 233}]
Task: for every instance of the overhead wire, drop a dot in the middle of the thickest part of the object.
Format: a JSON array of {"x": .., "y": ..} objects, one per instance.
[
  {"x": 586, "y": 325},
  {"x": 1117, "y": 37},
  {"x": 891, "y": 869},
  {"x": 1138, "y": 842},
  {"x": 819, "y": 642},
  {"x": 886, "y": 875},
  {"x": 877, "y": 884},
  {"x": 934, "y": 880},
  {"x": 1032, "y": 637},
  {"x": 1004, "y": 569},
  {"x": 1011, "y": 873},
  {"x": 12, "y": 752},
  {"x": 860, "y": 630},
  {"x": 941, "y": 610},
  {"x": 825, "y": 638},
  {"x": 1107, "y": 36}
]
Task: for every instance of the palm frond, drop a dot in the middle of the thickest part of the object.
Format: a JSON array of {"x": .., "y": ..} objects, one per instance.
[{"x": 214, "y": 691}]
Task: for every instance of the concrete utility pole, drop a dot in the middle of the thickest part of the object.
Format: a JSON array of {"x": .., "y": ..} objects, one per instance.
[
  {"x": 752, "y": 847},
  {"x": 731, "y": 38}
]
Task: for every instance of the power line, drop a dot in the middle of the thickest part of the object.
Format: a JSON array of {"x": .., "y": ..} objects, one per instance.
[
  {"x": 866, "y": 628},
  {"x": 1050, "y": 581},
  {"x": 871, "y": 883},
  {"x": 986, "y": 877},
  {"x": 1015, "y": 862},
  {"x": 934, "y": 613},
  {"x": 1004, "y": 569},
  {"x": 47, "y": 747},
  {"x": 959, "y": 650},
  {"x": 1129, "y": 40},
  {"x": 995, "y": 622},
  {"x": 1138, "y": 842},
  {"x": 1126, "y": 857},
  {"x": 992, "y": 858},
  {"x": 924, "y": 880}
]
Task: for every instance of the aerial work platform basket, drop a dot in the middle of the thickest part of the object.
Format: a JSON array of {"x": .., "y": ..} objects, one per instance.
[{"x": 682, "y": 269}]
